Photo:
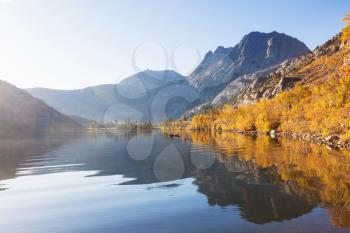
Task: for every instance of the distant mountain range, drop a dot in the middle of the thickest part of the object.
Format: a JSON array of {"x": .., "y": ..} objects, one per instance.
[
  {"x": 158, "y": 95},
  {"x": 145, "y": 96},
  {"x": 260, "y": 66},
  {"x": 22, "y": 114}
]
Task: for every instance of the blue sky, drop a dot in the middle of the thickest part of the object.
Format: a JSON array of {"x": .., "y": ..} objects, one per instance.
[{"x": 67, "y": 44}]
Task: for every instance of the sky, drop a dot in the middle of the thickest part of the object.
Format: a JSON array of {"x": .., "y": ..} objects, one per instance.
[{"x": 71, "y": 44}]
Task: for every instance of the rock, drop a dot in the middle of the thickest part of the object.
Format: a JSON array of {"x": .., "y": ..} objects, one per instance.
[
  {"x": 307, "y": 136},
  {"x": 332, "y": 138},
  {"x": 273, "y": 133},
  {"x": 284, "y": 83}
]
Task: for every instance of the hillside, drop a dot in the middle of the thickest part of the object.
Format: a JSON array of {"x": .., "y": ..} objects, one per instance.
[
  {"x": 147, "y": 95},
  {"x": 311, "y": 68},
  {"x": 321, "y": 65},
  {"x": 22, "y": 114},
  {"x": 236, "y": 66},
  {"x": 306, "y": 97}
]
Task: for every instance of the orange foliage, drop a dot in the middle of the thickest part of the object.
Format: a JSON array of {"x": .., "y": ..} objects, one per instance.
[
  {"x": 314, "y": 168},
  {"x": 322, "y": 108},
  {"x": 346, "y": 30}
]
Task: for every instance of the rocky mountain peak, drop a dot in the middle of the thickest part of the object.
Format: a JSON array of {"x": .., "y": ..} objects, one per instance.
[
  {"x": 273, "y": 47},
  {"x": 222, "y": 50},
  {"x": 207, "y": 55},
  {"x": 256, "y": 51},
  {"x": 303, "y": 70}
]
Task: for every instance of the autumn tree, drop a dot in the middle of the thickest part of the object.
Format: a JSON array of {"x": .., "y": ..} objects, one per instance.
[{"x": 346, "y": 29}]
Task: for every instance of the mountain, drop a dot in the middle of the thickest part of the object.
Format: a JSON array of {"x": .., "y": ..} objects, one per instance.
[
  {"x": 159, "y": 95},
  {"x": 306, "y": 97},
  {"x": 147, "y": 95},
  {"x": 22, "y": 114},
  {"x": 313, "y": 68},
  {"x": 231, "y": 69}
]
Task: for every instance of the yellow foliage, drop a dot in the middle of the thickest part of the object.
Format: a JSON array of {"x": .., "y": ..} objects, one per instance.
[
  {"x": 323, "y": 108},
  {"x": 346, "y": 30},
  {"x": 203, "y": 122},
  {"x": 323, "y": 174}
]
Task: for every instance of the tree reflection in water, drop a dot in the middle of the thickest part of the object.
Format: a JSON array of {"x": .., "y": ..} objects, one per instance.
[
  {"x": 266, "y": 179},
  {"x": 274, "y": 179}
]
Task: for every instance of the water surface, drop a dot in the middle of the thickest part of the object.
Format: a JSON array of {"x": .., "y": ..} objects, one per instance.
[{"x": 150, "y": 182}]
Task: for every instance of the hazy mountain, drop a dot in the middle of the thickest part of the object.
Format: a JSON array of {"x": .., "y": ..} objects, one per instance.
[
  {"x": 20, "y": 113},
  {"x": 256, "y": 52},
  {"x": 147, "y": 95},
  {"x": 158, "y": 95}
]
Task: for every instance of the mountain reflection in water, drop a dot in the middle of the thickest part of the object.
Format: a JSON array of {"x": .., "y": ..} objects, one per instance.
[
  {"x": 266, "y": 179},
  {"x": 275, "y": 179}
]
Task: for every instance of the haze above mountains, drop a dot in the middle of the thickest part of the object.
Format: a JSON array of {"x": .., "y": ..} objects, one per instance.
[{"x": 158, "y": 95}]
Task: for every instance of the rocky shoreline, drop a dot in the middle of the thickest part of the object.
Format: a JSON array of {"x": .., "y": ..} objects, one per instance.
[{"x": 333, "y": 141}]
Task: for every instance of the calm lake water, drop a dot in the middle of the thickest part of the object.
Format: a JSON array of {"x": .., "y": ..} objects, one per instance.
[{"x": 129, "y": 182}]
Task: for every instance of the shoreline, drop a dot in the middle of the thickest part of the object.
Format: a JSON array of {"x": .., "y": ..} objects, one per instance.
[{"x": 332, "y": 141}]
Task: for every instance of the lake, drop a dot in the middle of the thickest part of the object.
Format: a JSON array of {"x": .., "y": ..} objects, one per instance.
[{"x": 135, "y": 182}]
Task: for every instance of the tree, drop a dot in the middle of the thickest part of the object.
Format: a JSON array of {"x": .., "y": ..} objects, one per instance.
[{"x": 346, "y": 30}]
